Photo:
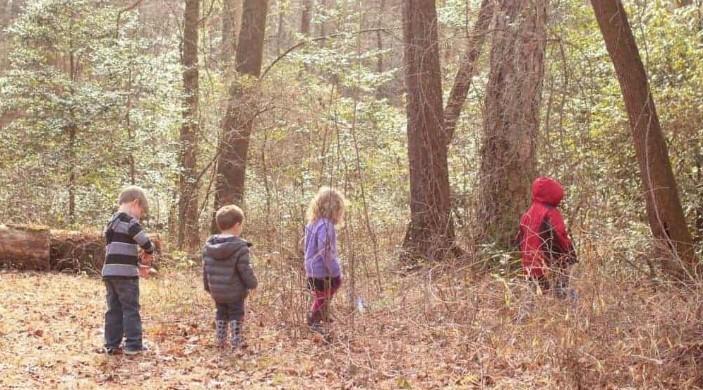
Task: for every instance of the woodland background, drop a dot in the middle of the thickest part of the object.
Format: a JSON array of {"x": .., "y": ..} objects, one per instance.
[{"x": 164, "y": 94}]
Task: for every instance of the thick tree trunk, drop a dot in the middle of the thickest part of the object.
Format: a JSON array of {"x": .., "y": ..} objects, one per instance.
[
  {"x": 699, "y": 186},
  {"x": 306, "y": 17},
  {"x": 511, "y": 118},
  {"x": 666, "y": 217},
  {"x": 188, "y": 232},
  {"x": 25, "y": 247},
  {"x": 430, "y": 233},
  {"x": 231, "y": 16},
  {"x": 238, "y": 122},
  {"x": 467, "y": 68}
]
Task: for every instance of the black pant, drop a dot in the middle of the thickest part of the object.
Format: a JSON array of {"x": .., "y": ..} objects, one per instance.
[
  {"x": 320, "y": 284},
  {"x": 229, "y": 311}
]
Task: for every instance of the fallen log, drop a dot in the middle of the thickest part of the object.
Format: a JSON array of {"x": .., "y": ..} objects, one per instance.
[
  {"x": 25, "y": 247},
  {"x": 43, "y": 249},
  {"x": 77, "y": 251}
]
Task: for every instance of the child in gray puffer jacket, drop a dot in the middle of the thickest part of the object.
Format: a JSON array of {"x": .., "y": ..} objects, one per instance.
[{"x": 227, "y": 274}]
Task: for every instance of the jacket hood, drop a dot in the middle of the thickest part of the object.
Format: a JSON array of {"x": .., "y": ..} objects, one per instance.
[
  {"x": 547, "y": 190},
  {"x": 223, "y": 247}
]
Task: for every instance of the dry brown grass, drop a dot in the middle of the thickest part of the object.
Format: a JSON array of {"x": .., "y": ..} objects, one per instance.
[{"x": 443, "y": 327}]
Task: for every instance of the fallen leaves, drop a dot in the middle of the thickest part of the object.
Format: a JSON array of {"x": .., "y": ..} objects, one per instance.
[{"x": 52, "y": 323}]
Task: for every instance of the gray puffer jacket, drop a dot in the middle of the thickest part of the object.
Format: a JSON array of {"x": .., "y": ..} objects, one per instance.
[{"x": 227, "y": 272}]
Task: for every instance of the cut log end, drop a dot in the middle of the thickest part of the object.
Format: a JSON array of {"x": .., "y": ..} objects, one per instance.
[{"x": 25, "y": 247}]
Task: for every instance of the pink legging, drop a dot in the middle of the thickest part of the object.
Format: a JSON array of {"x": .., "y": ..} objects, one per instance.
[{"x": 320, "y": 299}]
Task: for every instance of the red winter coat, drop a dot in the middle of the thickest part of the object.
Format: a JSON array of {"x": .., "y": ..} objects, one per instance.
[{"x": 543, "y": 238}]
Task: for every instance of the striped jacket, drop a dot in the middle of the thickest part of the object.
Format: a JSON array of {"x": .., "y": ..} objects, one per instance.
[{"x": 124, "y": 236}]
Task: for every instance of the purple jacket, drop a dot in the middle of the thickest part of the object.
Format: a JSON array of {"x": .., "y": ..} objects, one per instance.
[{"x": 321, "y": 259}]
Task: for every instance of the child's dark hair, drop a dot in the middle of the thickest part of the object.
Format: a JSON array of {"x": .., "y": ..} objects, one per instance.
[{"x": 228, "y": 216}]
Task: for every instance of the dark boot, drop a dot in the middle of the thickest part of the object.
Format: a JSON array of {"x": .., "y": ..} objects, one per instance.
[{"x": 315, "y": 321}]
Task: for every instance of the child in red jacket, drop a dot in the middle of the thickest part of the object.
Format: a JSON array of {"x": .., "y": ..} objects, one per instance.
[{"x": 544, "y": 242}]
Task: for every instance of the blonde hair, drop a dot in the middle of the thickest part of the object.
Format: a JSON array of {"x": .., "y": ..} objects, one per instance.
[
  {"x": 328, "y": 203},
  {"x": 228, "y": 216},
  {"x": 132, "y": 193}
]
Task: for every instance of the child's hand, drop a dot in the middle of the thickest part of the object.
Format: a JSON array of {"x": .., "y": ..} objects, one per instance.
[
  {"x": 146, "y": 258},
  {"x": 144, "y": 271}
]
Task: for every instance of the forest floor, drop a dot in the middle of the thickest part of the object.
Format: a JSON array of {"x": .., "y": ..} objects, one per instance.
[{"x": 430, "y": 329}]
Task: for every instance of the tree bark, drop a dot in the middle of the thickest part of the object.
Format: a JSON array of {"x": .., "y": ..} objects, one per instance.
[
  {"x": 188, "y": 232},
  {"x": 280, "y": 29},
  {"x": 664, "y": 211},
  {"x": 511, "y": 118},
  {"x": 16, "y": 7},
  {"x": 238, "y": 122},
  {"x": 467, "y": 68},
  {"x": 379, "y": 36},
  {"x": 71, "y": 174},
  {"x": 430, "y": 233},
  {"x": 231, "y": 16},
  {"x": 326, "y": 26},
  {"x": 306, "y": 17},
  {"x": 699, "y": 185}
]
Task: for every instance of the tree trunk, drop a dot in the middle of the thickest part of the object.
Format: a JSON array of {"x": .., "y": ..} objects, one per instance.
[
  {"x": 430, "y": 233},
  {"x": 130, "y": 135},
  {"x": 699, "y": 187},
  {"x": 666, "y": 218},
  {"x": 467, "y": 69},
  {"x": 231, "y": 16},
  {"x": 306, "y": 17},
  {"x": 326, "y": 26},
  {"x": 280, "y": 29},
  {"x": 25, "y": 247},
  {"x": 379, "y": 35},
  {"x": 16, "y": 7},
  {"x": 511, "y": 117},
  {"x": 5, "y": 15},
  {"x": 71, "y": 174},
  {"x": 241, "y": 109},
  {"x": 188, "y": 235},
  {"x": 4, "y": 44}
]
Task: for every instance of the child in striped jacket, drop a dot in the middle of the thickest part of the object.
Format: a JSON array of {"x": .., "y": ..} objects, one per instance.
[{"x": 124, "y": 236}]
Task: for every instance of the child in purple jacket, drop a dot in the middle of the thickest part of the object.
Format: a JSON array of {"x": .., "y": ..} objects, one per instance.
[{"x": 322, "y": 269}]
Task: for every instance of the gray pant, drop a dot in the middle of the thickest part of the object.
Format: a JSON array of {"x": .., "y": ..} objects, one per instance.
[
  {"x": 229, "y": 311},
  {"x": 122, "y": 318}
]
